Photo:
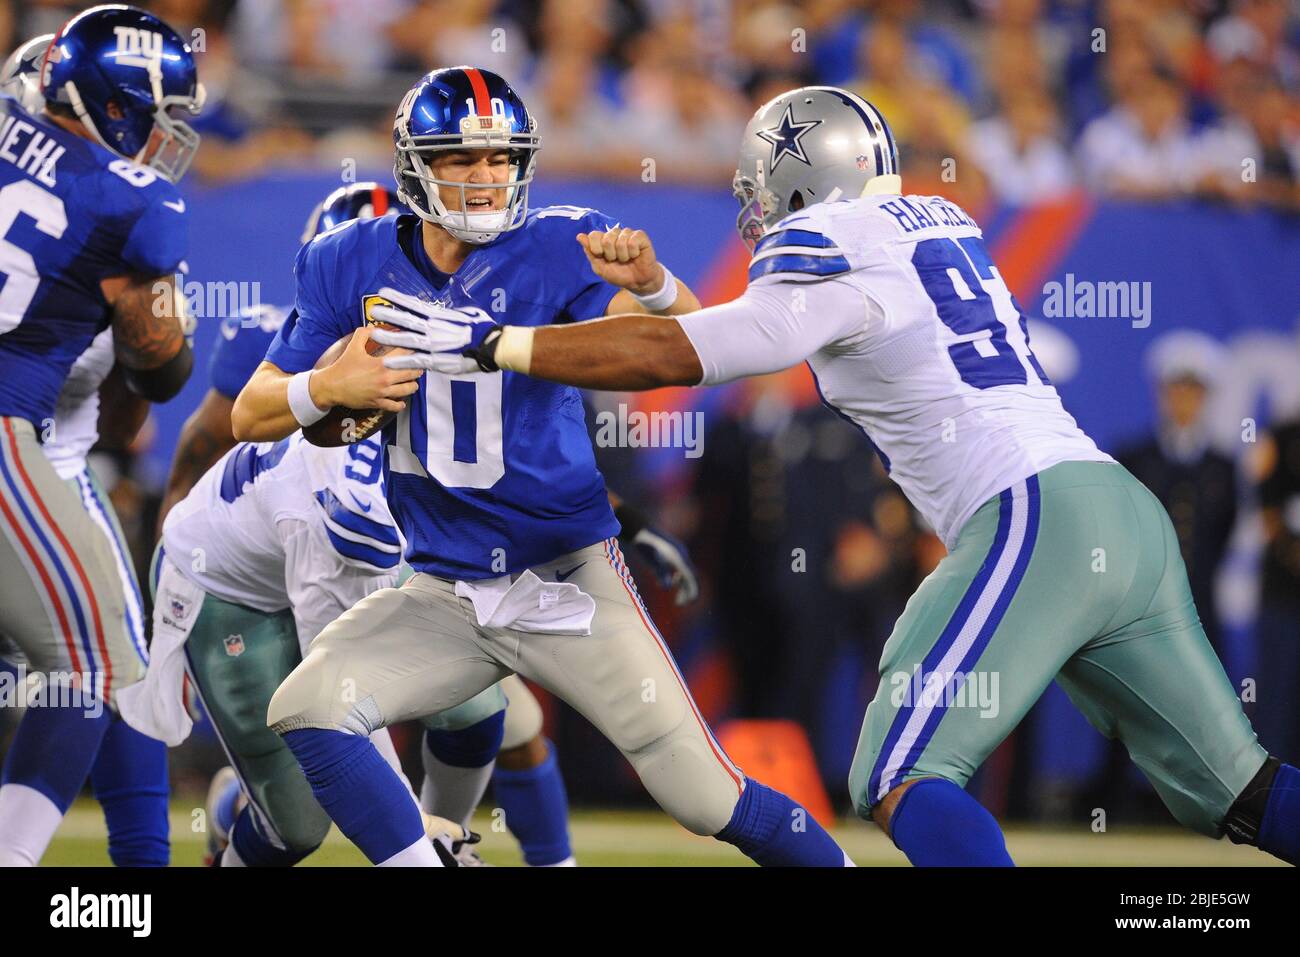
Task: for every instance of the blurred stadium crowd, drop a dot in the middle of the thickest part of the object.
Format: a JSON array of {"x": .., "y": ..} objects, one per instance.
[
  {"x": 997, "y": 99},
  {"x": 995, "y": 103}
]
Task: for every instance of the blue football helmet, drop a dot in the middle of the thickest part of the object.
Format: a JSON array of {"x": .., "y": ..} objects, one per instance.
[
  {"x": 20, "y": 77},
  {"x": 356, "y": 201},
  {"x": 464, "y": 108},
  {"x": 123, "y": 71}
]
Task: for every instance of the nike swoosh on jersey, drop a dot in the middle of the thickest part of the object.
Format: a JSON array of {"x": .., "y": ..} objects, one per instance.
[
  {"x": 179, "y": 205},
  {"x": 561, "y": 576},
  {"x": 364, "y": 506}
]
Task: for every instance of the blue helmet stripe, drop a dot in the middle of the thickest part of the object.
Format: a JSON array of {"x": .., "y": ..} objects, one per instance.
[
  {"x": 823, "y": 266},
  {"x": 888, "y": 164}
]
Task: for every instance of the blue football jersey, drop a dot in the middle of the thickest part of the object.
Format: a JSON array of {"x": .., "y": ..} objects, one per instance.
[
  {"x": 72, "y": 214},
  {"x": 488, "y": 473},
  {"x": 241, "y": 347}
]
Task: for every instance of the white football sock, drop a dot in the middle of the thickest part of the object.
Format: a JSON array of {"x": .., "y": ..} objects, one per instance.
[
  {"x": 419, "y": 854},
  {"x": 230, "y": 857},
  {"x": 452, "y": 792},
  {"x": 28, "y": 820}
]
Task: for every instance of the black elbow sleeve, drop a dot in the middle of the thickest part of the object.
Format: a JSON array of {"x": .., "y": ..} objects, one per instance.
[{"x": 163, "y": 382}]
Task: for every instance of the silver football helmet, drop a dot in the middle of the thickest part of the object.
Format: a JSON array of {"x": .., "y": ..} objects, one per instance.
[
  {"x": 815, "y": 144},
  {"x": 20, "y": 77}
]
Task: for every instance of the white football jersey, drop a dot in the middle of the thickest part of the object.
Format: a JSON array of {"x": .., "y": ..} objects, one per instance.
[
  {"x": 76, "y": 417},
  {"x": 288, "y": 525},
  {"x": 912, "y": 336}
]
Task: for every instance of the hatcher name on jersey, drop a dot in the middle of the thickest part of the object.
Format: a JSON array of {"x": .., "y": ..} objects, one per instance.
[{"x": 915, "y": 215}]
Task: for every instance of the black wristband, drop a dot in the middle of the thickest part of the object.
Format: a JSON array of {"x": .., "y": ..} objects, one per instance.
[
  {"x": 163, "y": 382},
  {"x": 486, "y": 354}
]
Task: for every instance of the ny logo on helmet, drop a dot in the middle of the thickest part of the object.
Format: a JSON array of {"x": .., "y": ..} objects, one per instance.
[
  {"x": 785, "y": 138},
  {"x": 136, "y": 47}
]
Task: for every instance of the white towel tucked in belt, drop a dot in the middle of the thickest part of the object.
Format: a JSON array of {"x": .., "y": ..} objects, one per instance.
[
  {"x": 530, "y": 604},
  {"x": 156, "y": 705}
]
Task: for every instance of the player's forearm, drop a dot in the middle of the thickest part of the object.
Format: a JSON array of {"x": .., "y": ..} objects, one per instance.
[
  {"x": 626, "y": 303},
  {"x": 262, "y": 412},
  {"x": 685, "y": 302},
  {"x": 161, "y": 383},
  {"x": 122, "y": 412},
  {"x": 623, "y": 353},
  {"x": 148, "y": 322}
]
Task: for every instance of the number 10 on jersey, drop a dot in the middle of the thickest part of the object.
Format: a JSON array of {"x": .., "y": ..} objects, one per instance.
[{"x": 452, "y": 428}]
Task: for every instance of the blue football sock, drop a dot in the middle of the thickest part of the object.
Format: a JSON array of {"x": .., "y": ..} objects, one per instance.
[
  {"x": 53, "y": 750},
  {"x": 472, "y": 747},
  {"x": 776, "y": 832},
  {"x": 536, "y": 810},
  {"x": 937, "y": 824},
  {"x": 129, "y": 778},
  {"x": 358, "y": 790},
  {"x": 1279, "y": 831},
  {"x": 255, "y": 849}
]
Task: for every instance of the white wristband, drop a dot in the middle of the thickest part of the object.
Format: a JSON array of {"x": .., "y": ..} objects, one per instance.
[
  {"x": 515, "y": 349},
  {"x": 664, "y": 298},
  {"x": 304, "y": 409}
]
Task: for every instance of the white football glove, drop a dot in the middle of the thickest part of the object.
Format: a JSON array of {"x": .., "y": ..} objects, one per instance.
[{"x": 437, "y": 335}]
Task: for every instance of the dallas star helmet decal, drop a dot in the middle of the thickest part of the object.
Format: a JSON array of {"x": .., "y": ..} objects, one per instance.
[{"x": 785, "y": 137}]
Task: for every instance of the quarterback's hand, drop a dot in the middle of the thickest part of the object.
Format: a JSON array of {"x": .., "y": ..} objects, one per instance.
[
  {"x": 625, "y": 258},
  {"x": 441, "y": 338}
]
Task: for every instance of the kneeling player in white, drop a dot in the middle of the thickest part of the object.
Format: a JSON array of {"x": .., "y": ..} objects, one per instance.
[{"x": 913, "y": 337}]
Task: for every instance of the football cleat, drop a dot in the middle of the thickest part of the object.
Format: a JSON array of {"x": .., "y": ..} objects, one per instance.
[{"x": 222, "y": 810}]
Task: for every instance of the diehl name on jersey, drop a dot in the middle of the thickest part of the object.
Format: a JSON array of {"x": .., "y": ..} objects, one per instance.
[
  {"x": 72, "y": 214},
  {"x": 489, "y": 473}
]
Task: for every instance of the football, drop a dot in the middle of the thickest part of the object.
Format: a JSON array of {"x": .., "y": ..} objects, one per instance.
[{"x": 341, "y": 425}]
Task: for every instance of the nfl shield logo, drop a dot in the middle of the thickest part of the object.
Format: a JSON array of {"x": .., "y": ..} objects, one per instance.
[
  {"x": 864, "y": 163},
  {"x": 235, "y": 645},
  {"x": 179, "y": 608}
]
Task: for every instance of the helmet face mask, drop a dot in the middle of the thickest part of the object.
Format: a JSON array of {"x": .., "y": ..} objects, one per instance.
[
  {"x": 811, "y": 145},
  {"x": 758, "y": 209},
  {"x": 177, "y": 142},
  {"x": 434, "y": 119}
]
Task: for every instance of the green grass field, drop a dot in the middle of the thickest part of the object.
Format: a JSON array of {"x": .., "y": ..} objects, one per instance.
[{"x": 637, "y": 839}]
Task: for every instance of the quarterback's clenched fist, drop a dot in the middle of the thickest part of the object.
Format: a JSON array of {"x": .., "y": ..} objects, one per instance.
[{"x": 623, "y": 257}]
